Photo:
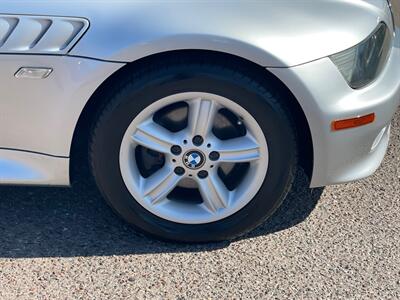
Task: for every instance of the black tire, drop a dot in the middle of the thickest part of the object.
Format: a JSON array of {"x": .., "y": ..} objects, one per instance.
[{"x": 263, "y": 102}]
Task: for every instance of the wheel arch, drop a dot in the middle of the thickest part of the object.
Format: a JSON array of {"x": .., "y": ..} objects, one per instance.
[{"x": 81, "y": 136}]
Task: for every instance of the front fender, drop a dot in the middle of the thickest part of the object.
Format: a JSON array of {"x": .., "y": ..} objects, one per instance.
[{"x": 269, "y": 33}]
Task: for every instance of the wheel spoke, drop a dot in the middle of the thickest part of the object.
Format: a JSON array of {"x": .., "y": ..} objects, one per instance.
[
  {"x": 157, "y": 187},
  {"x": 154, "y": 136},
  {"x": 201, "y": 116},
  {"x": 242, "y": 149},
  {"x": 214, "y": 193}
]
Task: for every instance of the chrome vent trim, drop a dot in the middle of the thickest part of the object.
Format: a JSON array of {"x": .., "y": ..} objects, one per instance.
[{"x": 40, "y": 34}]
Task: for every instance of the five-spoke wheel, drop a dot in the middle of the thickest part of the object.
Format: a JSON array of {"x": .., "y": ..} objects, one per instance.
[
  {"x": 194, "y": 151},
  {"x": 198, "y": 156}
]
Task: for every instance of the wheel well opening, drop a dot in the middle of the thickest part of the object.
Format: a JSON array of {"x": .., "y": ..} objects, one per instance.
[{"x": 79, "y": 161}]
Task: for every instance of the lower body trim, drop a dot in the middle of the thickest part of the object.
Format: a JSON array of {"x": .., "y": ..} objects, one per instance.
[{"x": 28, "y": 168}]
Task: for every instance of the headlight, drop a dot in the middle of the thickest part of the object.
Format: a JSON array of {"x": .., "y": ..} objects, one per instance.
[{"x": 361, "y": 64}]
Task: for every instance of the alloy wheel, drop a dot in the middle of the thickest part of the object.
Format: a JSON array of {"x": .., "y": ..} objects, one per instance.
[{"x": 193, "y": 158}]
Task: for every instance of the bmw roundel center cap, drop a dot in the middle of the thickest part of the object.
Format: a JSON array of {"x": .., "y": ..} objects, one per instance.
[{"x": 193, "y": 159}]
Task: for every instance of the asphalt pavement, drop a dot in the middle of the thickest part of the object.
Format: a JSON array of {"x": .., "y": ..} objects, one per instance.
[{"x": 338, "y": 242}]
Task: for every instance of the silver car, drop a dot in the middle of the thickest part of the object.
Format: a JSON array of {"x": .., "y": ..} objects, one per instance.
[{"x": 196, "y": 115}]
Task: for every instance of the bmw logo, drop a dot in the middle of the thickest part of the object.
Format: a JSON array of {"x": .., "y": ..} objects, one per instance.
[{"x": 193, "y": 159}]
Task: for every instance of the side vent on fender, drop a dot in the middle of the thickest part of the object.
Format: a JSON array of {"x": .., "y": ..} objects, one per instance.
[{"x": 40, "y": 34}]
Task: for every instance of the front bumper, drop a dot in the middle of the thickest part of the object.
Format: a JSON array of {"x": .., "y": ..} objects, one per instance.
[{"x": 347, "y": 155}]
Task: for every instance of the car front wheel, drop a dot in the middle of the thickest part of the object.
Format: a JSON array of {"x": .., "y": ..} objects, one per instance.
[{"x": 194, "y": 152}]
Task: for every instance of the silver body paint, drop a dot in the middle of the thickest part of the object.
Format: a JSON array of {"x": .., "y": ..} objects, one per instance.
[{"x": 292, "y": 39}]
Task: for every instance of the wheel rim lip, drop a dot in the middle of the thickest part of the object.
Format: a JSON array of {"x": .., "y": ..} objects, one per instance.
[{"x": 190, "y": 213}]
